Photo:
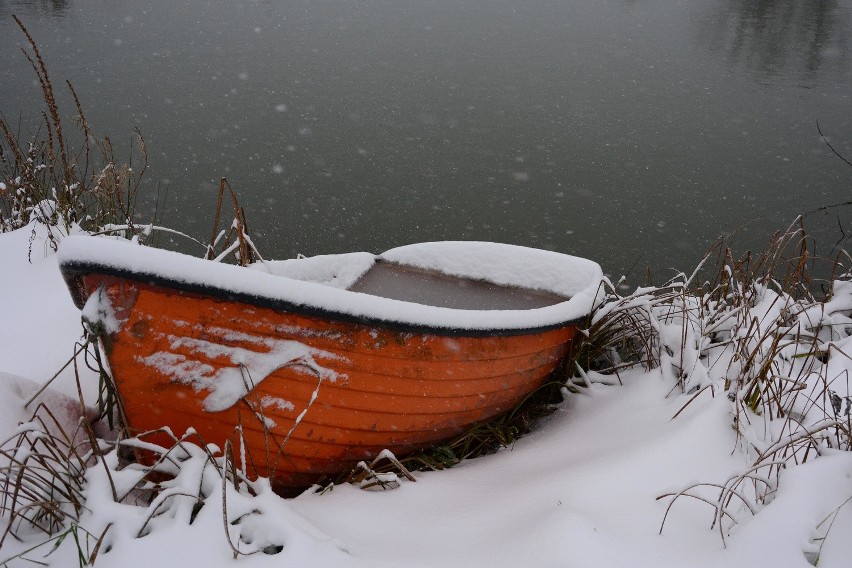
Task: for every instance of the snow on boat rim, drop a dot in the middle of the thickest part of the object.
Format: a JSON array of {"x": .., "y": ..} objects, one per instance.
[{"x": 316, "y": 291}]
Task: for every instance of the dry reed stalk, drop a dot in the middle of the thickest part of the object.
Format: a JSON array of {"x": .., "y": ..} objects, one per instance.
[
  {"x": 763, "y": 305},
  {"x": 46, "y": 169},
  {"x": 43, "y": 475},
  {"x": 243, "y": 248}
]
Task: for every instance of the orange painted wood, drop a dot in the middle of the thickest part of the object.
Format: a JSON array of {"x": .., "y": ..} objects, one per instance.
[{"x": 396, "y": 390}]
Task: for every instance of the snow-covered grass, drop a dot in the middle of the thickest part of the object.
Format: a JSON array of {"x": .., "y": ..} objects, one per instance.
[
  {"x": 706, "y": 426},
  {"x": 67, "y": 178}
]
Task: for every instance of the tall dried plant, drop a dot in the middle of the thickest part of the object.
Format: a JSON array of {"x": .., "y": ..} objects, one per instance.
[{"x": 47, "y": 179}]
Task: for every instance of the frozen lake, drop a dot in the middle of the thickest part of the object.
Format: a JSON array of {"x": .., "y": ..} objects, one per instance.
[{"x": 632, "y": 132}]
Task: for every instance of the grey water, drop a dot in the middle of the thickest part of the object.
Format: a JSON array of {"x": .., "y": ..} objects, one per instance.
[{"x": 632, "y": 132}]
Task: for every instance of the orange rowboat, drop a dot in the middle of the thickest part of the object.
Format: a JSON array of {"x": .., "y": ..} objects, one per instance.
[{"x": 323, "y": 362}]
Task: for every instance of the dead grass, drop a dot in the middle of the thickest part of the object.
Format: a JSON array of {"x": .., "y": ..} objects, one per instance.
[
  {"x": 759, "y": 331},
  {"x": 42, "y": 476},
  {"x": 65, "y": 183},
  {"x": 42, "y": 486}
]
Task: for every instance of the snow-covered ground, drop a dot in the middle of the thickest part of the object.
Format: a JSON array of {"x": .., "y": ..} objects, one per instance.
[{"x": 582, "y": 490}]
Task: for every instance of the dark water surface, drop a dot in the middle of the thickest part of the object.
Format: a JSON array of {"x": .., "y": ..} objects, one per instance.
[{"x": 627, "y": 131}]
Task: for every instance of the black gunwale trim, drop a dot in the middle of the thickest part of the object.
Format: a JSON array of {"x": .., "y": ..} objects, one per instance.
[{"x": 73, "y": 270}]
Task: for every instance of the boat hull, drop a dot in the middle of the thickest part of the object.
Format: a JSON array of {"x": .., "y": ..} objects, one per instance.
[{"x": 355, "y": 390}]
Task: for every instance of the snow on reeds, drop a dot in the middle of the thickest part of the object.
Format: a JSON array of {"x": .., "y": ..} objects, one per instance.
[
  {"x": 68, "y": 186},
  {"x": 61, "y": 184},
  {"x": 756, "y": 331},
  {"x": 69, "y": 183}
]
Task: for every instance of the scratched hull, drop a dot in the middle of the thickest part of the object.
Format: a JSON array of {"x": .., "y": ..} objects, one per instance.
[{"x": 312, "y": 396}]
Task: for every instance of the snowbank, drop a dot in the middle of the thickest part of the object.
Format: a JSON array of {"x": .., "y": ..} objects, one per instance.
[{"x": 582, "y": 490}]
